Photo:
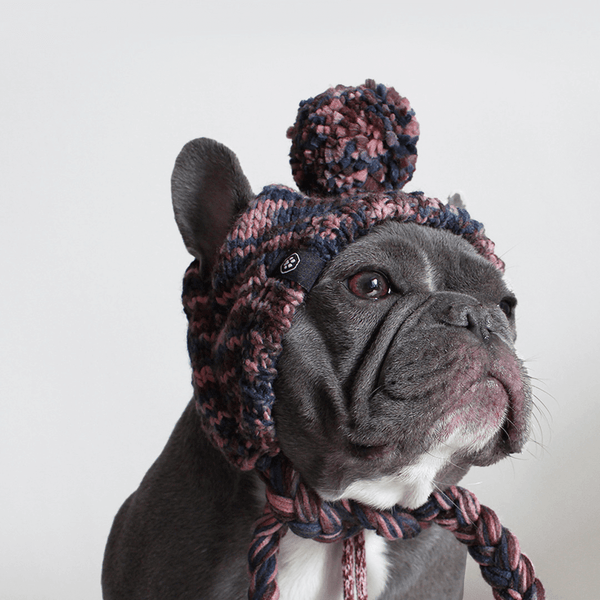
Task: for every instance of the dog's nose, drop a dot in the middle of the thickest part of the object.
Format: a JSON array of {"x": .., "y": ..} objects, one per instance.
[{"x": 462, "y": 311}]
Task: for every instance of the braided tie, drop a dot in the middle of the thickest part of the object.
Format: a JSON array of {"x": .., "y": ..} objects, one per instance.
[
  {"x": 495, "y": 548},
  {"x": 354, "y": 561},
  {"x": 509, "y": 572}
]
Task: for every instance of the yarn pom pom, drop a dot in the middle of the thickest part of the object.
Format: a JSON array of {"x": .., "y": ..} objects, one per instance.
[{"x": 354, "y": 139}]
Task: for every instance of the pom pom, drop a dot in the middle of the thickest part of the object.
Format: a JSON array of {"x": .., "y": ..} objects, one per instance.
[{"x": 352, "y": 139}]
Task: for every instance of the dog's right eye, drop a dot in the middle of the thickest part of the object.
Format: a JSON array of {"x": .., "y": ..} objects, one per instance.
[{"x": 369, "y": 285}]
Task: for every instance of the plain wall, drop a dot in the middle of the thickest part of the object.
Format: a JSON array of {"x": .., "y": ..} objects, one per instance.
[{"x": 97, "y": 100}]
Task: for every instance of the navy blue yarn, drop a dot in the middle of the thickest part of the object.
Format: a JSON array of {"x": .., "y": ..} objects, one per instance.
[
  {"x": 494, "y": 560},
  {"x": 381, "y": 110},
  {"x": 297, "y": 218},
  {"x": 225, "y": 275}
]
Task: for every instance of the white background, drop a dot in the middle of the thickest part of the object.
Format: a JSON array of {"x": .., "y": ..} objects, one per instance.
[{"x": 97, "y": 98}]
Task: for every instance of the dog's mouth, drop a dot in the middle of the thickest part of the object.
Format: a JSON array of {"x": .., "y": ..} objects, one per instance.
[
  {"x": 489, "y": 416},
  {"x": 421, "y": 422},
  {"x": 512, "y": 379},
  {"x": 481, "y": 431}
]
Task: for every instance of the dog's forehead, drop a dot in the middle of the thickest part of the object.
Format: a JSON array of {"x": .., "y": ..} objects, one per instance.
[
  {"x": 417, "y": 251},
  {"x": 404, "y": 243}
]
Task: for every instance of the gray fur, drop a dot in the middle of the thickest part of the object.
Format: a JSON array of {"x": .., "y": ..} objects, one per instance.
[
  {"x": 355, "y": 375},
  {"x": 208, "y": 188},
  {"x": 375, "y": 371}
]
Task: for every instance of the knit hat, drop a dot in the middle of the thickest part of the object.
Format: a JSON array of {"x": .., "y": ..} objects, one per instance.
[{"x": 352, "y": 151}]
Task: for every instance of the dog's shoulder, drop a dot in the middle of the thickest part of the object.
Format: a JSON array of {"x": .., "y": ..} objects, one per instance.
[
  {"x": 191, "y": 509},
  {"x": 429, "y": 567}
]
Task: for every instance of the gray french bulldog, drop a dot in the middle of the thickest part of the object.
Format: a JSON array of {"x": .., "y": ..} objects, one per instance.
[{"x": 398, "y": 373}]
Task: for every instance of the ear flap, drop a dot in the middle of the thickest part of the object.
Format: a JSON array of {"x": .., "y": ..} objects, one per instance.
[{"x": 208, "y": 189}]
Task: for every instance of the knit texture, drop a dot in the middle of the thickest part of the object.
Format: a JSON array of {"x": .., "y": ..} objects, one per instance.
[
  {"x": 299, "y": 509},
  {"x": 238, "y": 319},
  {"x": 354, "y": 139},
  {"x": 353, "y": 149}
]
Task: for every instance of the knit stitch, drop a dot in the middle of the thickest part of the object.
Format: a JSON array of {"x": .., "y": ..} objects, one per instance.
[
  {"x": 354, "y": 139},
  {"x": 239, "y": 316},
  {"x": 238, "y": 319}
]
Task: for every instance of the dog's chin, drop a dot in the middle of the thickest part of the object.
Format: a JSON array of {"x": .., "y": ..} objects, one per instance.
[
  {"x": 486, "y": 424},
  {"x": 407, "y": 489},
  {"x": 444, "y": 464}
]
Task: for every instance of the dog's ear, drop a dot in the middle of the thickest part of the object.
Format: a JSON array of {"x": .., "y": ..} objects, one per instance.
[
  {"x": 456, "y": 199},
  {"x": 209, "y": 190}
]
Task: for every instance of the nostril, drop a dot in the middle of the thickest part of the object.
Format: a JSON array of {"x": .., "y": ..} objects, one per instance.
[
  {"x": 478, "y": 326},
  {"x": 473, "y": 317},
  {"x": 456, "y": 315}
]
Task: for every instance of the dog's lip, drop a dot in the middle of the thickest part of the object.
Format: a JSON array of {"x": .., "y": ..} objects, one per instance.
[{"x": 514, "y": 427}]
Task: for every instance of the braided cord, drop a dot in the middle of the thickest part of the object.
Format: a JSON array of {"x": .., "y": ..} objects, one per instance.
[
  {"x": 262, "y": 557},
  {"x": 509, "y": 572},
  {"x": 354, "y": 565},
  {"x": 238, "y": 318},
  {"x": 492, "y": 546}
]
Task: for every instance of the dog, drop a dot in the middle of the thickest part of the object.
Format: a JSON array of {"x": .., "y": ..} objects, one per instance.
[{"x": 397, "y": 374}]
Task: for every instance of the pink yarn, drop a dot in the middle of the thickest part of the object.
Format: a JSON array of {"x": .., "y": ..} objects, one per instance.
[
  {"x": 353, "y": 149},
  {"x": 354, "y": 567},
  {"x": 509, "y": 572}
]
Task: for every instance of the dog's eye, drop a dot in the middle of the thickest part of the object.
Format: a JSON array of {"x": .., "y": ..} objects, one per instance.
[
  {"x": 507, "y": 306},
  {"x": 369, "y": 285}
]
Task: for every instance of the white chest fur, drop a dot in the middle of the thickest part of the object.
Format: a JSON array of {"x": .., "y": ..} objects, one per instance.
[{"x": 311, "y": 570}]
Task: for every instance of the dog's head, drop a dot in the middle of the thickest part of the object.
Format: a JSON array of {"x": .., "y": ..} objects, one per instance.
[
  {"x": 399, "y": 371},
  {"x": 392, "y": 375}
]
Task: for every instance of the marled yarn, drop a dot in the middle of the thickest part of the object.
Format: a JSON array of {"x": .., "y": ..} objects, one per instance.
[{"x": 238, "y": 317}]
